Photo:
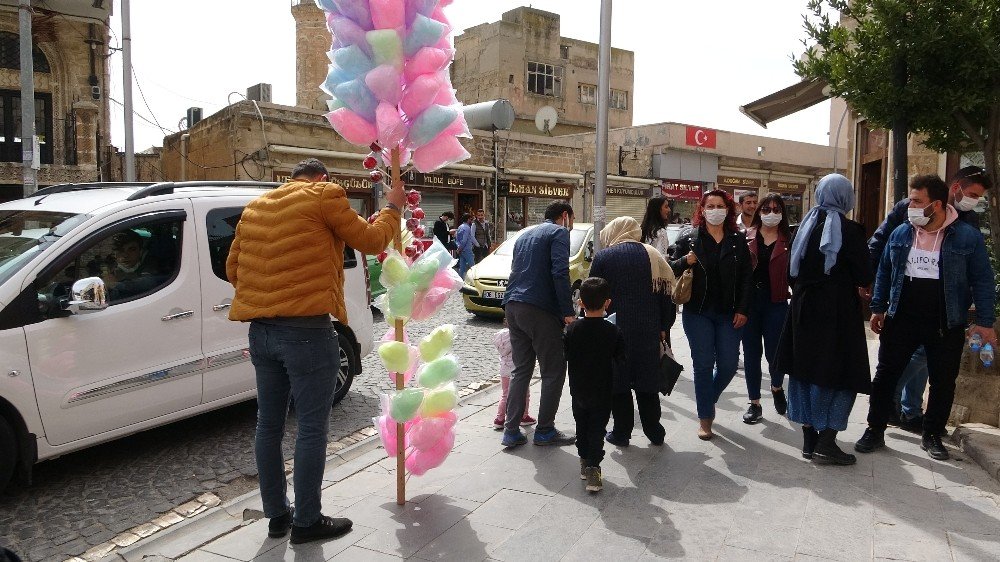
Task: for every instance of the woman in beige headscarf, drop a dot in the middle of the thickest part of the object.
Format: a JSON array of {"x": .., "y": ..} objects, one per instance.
[{"x": 641, "y": 282}]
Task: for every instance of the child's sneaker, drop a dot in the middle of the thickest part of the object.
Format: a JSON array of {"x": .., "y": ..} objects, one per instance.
[
  {"x": 528, "y": 420},
  {"x": 498, "y": 423},
  {"x": 594, "y": 481}
]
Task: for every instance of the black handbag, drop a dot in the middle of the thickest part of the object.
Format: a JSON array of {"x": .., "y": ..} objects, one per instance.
[{"x": 670, "y": 370}]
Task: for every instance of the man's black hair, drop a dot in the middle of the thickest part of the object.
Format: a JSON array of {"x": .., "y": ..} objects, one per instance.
[
  {"x": 970, "y": 175},
  {"x": 448, "y": 214},
  {"x": 594, "y": 291},
  {"x": 747, "y": 194},
  {"x": 466, "y": 217},
  {"x": 935, "y": 187},
  {"x": 556, "y": 209},
  {"x": 309, "y": 169}
]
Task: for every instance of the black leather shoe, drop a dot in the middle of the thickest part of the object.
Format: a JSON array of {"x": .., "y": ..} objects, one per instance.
[
  {"x": 870, "y": 441},
  {"x": 934, "y": 447},
  {"x": 323, "y": 529},
  {"x": 827, "y": 451},
  {"x": 754, "y": 414},
  {"x": 780, "y": 402},
  {"x": 278, "y": 527},
  {"x": 914, "y": 424}
]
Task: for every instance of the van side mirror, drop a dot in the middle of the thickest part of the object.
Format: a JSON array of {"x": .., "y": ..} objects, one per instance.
[
  {"x": 88, "y": 295},
  {"x": 588, "y": 256}
]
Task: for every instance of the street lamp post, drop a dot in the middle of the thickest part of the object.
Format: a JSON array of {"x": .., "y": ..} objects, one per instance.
[{"x": 603, "y": 95}]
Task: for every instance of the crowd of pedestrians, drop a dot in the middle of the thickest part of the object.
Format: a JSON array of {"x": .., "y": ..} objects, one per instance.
[{"x": 793, "y": 297}]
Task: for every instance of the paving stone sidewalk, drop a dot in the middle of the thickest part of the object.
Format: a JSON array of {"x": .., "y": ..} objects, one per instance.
[{"x": 745, "y": 495}]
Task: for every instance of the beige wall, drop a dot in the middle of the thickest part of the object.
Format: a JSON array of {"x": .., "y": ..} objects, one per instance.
[{"x": 312, "y": 41}]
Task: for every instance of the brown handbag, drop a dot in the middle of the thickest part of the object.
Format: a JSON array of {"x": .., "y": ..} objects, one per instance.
[{"x": 682, "y": 289}]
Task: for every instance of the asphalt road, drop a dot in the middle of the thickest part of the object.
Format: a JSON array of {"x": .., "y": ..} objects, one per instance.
[{"x": 85, "y": 498}]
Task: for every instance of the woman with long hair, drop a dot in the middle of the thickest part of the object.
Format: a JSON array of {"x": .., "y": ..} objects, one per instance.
[
  {"x": 720, "y": 298},
  {"x": 654, "y": 225},
  {"x": 769, "y": 239},
  {"x": 641, "y": 281},
  {"x": 822, "y": 347}
]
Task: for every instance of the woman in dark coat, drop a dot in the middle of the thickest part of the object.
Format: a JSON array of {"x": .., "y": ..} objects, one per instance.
[
  {"x": 640, "y": 281},
  {"x": 822, "y": 347}
]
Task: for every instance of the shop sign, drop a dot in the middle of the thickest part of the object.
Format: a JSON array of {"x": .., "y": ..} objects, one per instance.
[
  {"x": 734, "y": 182},
  {"x": 622, "y": 191},
  {"x": 349, "y": 183},
  {"x": 787, "y": 186},
  {"x": 539, "y": 189},
  {"x": 443, "y": 181},
  {"x": 680, "y": 189},
  {"x": 700, "y": 137}
]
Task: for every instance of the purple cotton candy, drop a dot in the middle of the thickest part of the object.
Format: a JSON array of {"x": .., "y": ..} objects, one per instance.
[
  {"x": 428, "y": 125},
  {"x": 346, "y": 32},
  {"x": 388, "y": 14},
  {"x": 357, "y": 11},
  {"x": 356, "y": 95},
  {"x": 423, "y": 7},
  {"x": 424, "y": 32},
  {"x": 384, "y": 82}
]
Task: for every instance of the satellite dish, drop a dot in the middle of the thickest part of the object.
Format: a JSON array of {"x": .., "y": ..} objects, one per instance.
[{"x": 546, "y": 119}]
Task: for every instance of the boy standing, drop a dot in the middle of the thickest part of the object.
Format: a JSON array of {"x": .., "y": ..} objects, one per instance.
[{"x": 594, "y": 349}]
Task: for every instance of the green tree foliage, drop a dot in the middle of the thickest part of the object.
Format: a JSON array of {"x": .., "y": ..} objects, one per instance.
[{"x": 935, "y": 63}]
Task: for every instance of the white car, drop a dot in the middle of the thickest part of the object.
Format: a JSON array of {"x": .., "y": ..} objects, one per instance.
[{"x": 94, "y": 346}]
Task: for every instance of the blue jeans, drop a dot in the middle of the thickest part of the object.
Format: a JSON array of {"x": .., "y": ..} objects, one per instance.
[
  {"x": 715, "y": 352},
  {"x": 910, "y": 391},
  {"x": 303, "y": 363},
  {"x": 760, "y": 338},
  {"x": 465, "y": 261}
]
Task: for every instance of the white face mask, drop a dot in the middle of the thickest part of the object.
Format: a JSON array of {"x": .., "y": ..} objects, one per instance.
[
  {"x": 715, "y": 217},
  {"x": 916, "y": 216},
  {"x": 967, "y": 203},
  {"x": 771, "y": 219}
]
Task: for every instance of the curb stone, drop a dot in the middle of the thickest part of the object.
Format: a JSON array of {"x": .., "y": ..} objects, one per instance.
[{"x": 982, "y": 444}]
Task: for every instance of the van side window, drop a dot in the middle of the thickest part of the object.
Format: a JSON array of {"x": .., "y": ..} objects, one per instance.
[{"x": 134, "y": 262}]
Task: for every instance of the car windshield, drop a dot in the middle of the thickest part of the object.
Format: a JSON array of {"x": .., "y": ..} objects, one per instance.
[
  {"x": 576, "y": 238},
  {"x": 25, "y": 233}
]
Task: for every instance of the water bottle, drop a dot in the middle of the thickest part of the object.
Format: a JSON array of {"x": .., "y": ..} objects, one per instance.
[
  {"x": 986, "y": 355},
  {"x": 975, "y": 342}
]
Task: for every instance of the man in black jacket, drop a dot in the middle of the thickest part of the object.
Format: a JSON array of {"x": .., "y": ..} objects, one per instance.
[
  {"x": 443, "y": 232},
  {"x": 965, "y": 191}
]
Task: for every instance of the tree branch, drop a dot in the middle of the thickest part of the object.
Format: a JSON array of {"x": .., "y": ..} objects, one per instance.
[{"x": 974, "y": 134}]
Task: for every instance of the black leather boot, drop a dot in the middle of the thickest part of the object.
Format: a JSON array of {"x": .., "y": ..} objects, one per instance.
[
  {"x": 827, "y": 451},
  {"x": 809, "y": 437}
]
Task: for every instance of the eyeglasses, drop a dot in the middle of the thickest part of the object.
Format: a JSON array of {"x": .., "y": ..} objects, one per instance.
[{"x": 769, "y": 210}]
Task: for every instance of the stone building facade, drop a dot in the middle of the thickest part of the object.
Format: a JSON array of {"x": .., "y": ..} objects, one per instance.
[{"x": 70, "y": 76}]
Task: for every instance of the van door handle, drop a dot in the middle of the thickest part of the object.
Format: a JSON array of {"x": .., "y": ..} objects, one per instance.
[
  {"x": 223, "y": 306},
  {"x": 177, "y": 315}
]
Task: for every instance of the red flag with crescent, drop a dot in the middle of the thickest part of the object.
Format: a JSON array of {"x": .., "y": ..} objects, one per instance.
[{"x": 700, "y": 137}]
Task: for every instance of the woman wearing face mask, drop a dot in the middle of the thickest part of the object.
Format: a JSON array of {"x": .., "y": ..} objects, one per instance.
[
  {"x": 822, "y": 346},
  {"x": 720, "y": 299},
  {"x": 769, "y": 238}
]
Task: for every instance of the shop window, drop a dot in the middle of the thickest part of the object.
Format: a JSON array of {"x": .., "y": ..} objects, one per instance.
[
  {"x": 545, "y": 79},
  {"x": 619, "y": 99},
  {"x": 10, "y": 126},
  {"x": 10, "y": 54},
  {"x": 588, "y": 94}
]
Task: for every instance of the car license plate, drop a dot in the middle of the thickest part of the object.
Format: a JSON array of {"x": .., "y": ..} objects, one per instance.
[{"x": 492, "y": 294}]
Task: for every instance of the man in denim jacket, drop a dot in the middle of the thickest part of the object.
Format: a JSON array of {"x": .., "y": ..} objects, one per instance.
[{"x": 931, "y": 271}]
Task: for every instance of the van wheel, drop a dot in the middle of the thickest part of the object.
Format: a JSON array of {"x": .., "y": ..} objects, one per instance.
[
  {"x": 575, "y": 296},
  {"x": 8, "y": 453},
  {"x": 348, "y": 366}
]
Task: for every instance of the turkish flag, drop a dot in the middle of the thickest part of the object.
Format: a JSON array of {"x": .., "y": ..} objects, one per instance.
[{"x": 700, "y": 137}]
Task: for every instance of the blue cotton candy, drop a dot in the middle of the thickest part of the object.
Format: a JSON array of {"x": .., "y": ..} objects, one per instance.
[
  {"x": 353, "y": 61},
  {"x": 358, "y": 98},
  {"x": 430, "y": 124},
  {"x": 327, "y": 6},
  {"x": 334, "y": 77},
  {"x": 357, "y": 10},
  {"x": 414, "y": 7},
  {"x": 425, "y": 32}
]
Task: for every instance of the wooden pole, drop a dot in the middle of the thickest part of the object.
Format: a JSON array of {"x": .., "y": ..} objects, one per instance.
[{"x": 400, "y": 430}]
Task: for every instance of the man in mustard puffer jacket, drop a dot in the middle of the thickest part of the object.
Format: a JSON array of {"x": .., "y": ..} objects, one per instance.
[{"x": 287, "y": 264}]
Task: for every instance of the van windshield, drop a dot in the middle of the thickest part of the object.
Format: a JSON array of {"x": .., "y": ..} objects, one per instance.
[
  {"x": 25, "y": 233},
  {"x": 576, "y": 238}
]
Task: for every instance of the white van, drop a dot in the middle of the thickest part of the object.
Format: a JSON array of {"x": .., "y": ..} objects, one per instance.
[{"x": 113, "y": 314}]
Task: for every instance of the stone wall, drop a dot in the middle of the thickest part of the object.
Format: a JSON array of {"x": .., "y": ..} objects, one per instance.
[{"x": 977, "y": 392}]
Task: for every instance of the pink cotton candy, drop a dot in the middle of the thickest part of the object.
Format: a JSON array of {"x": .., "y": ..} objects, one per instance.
[
  {"x": 391, "y": 127},
  {"x": 388, "y": 14},
  {"x": 429, "y": 303},
  {"x": 438, "y": 153},
  {"x": 447, "y": 279},
  {"x": 420, "y": 94},
  {"x": 438, "y": 15},
  {"x": 446, "y": 96},
  {"x": 419, "y": 462},
  {"x": 458, "y": 128},
  {"x": 351, "y": 126},
  {"x": 428, "y": 432},
  {"x": 386, "y": 427},
  {"x": 427, "y": 61},
  {"x": 385, "y": 83}
]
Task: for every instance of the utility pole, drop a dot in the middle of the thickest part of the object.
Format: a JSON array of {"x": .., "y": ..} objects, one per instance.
[
  {"x": 603, "y": 101},
  {"x": 127, "y": 83},
  {"x": 27, "y": 99}
]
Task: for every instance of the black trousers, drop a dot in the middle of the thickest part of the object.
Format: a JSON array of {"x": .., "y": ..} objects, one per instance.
[
  {"x": 649, "y": 415},
  {"x": 480, "y": 252},
  {"x": 590, "y": 427},
  {"x": 900, "y": 337}
]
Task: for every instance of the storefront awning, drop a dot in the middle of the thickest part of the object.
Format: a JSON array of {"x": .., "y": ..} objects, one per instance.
[{"x": 786, "y": 102}]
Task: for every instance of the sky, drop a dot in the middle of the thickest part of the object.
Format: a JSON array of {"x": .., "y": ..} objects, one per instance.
[{"x": 696, "y": 62}]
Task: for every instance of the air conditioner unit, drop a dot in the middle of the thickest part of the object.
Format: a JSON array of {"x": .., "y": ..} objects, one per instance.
[{"x": 259, "y": 92}]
